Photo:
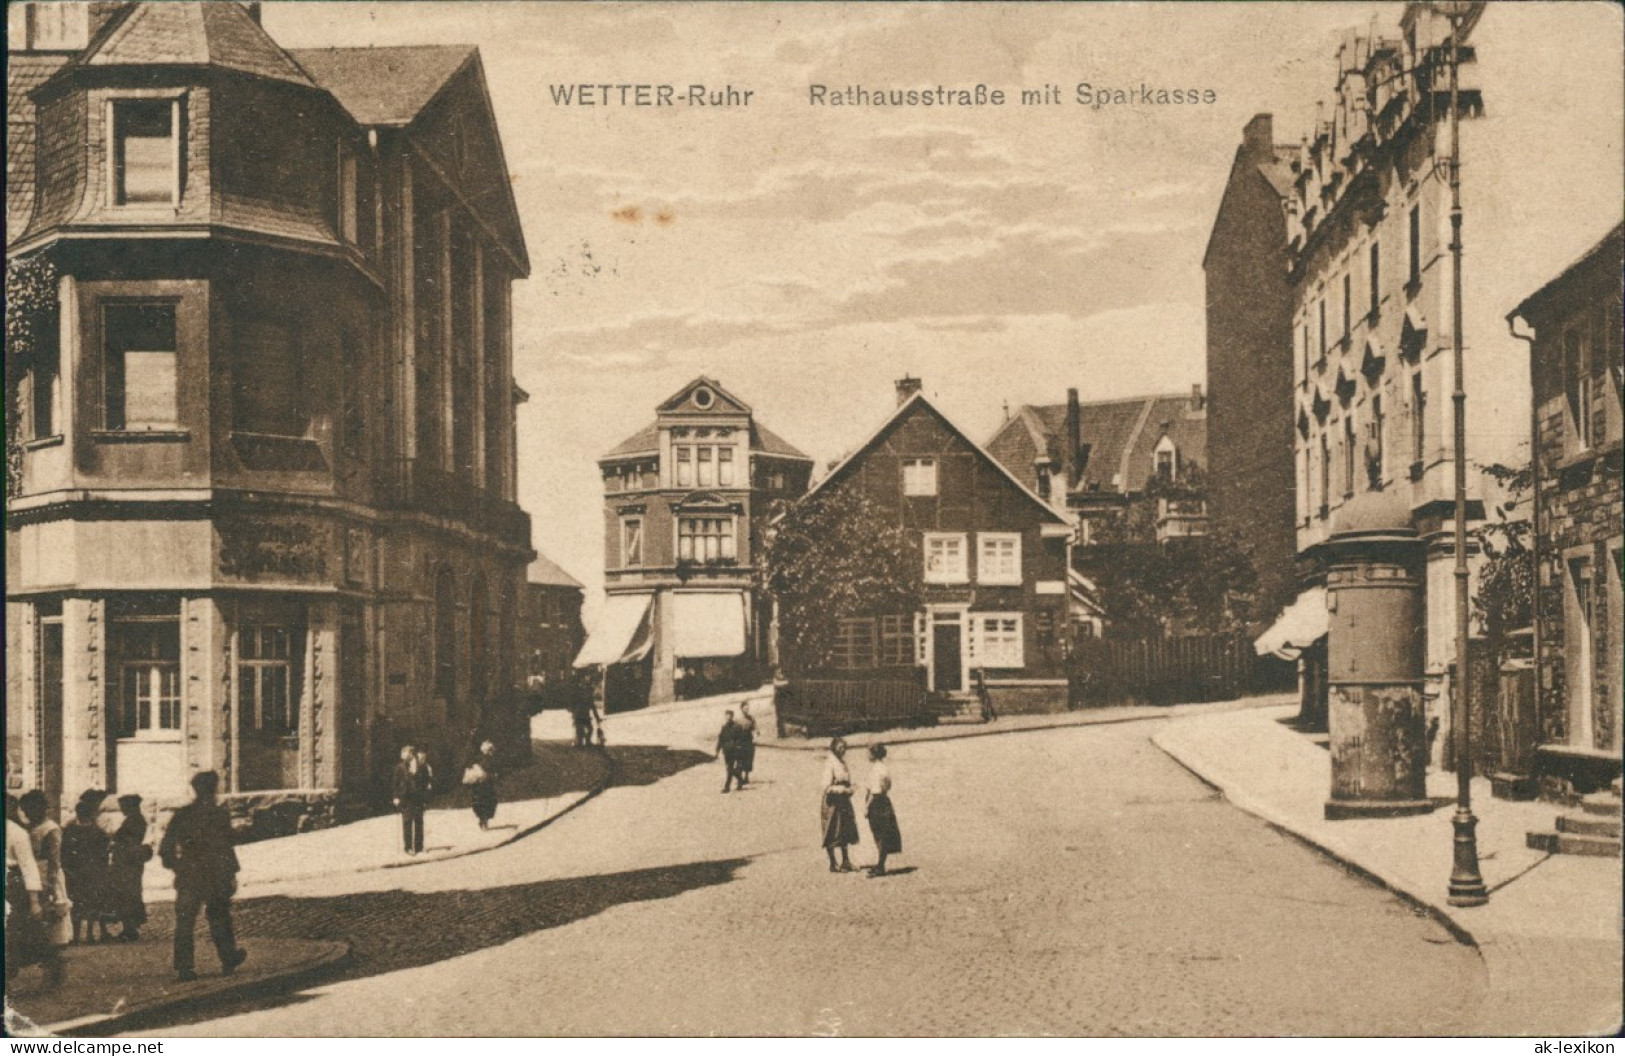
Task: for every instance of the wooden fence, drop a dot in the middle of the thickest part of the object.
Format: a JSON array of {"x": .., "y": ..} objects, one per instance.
[
  {"x": 835, "y": 705},
  {"x": 1103, "y": 671}
]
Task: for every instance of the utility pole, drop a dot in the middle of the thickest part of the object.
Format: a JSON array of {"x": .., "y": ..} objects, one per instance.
[{"x": 1466, "y": 882}]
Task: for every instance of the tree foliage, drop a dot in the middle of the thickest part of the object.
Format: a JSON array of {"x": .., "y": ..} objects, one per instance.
[
  {"x": 1201, "y": 585},
  {"x": 1505, "y": 598},
  {"x": 31, "y": 307},
  {"x": 833, "y": 556}
]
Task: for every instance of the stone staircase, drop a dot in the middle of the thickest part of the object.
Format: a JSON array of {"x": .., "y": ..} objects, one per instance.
[
  {"x": 1592, "y": 830},
  {"x": 957, "y": 708}
]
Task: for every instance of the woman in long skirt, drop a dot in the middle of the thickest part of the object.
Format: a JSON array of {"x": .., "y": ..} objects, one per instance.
[
  {"x": 130, "y": 856},
  {"x": 882, "y": 818},
  {"x": 45, "y": 835},
  {"x": 85, "y": 850},
  {"x": 835, "y": 809},
  {"x": 483, "y": 789}
]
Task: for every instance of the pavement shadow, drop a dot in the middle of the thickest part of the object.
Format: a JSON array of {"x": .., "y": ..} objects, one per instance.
[
  {"x": 389, "y": 931},
  {"x": 561, "y": 769}
]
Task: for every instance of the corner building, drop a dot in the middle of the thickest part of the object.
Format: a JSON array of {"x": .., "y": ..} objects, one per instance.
[{"x": 265, "y": 519}]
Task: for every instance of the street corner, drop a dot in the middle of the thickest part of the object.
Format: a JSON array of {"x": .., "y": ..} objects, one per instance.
[{"x": 113, "y": 987}]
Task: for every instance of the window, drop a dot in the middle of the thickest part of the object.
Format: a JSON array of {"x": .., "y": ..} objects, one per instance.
[
  {"x": 1374, "y": 457},
  {"x": 632, "y": 542},
  {"x": 705, "y": 539},
  {"x": 1577, "y": 384},
  {"x": 1323, "y": 328},
  {"x": 1579, "y": 622},
  {"x": 1348, "y": 455},
  {"x": 685, "y": 467},
  {"x": 265, "y": 379},
  {"x": 945, "y": 558},
  {"x": 1419, "y": 404},
  {"x": 854, "y": 648},
  {"x": 1166, "y": 459},
  {"x": 145, "y": 154},
  {"x": 1374, "y": 278},
  {"x": 1414, "y": 247},
  {"x": 919, "y": 476},
  {"x": 146, "y": 653},
  {"x": 140, "y": 343},
  {"x": 265, "y": 683},
  {"x": 725, "y": 467},
  {"x": 897, "y": 641},
  {"x": 704, "y": 476},
  {"x": 775, "y": 481},
  {"x": 996, "y": 641},
  {"x": 1348, "y": 306},
  {"x": 998, "y": 558},
  {"x": 45, "y": 384},
  {"x": 1306, "y": 352},
  {"x": 353, "y": 420},
  {"x": 1325, "y": 474}
]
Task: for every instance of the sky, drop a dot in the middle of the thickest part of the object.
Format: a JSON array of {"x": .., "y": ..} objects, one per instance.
[{"x": 807, "y": 256}]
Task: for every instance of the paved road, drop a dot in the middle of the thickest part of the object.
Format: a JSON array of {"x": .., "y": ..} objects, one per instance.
[{"x": 1066, "y": 882}]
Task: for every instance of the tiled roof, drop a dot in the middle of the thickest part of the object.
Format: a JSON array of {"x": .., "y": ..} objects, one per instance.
[
  {"x": 762, "y": 439},
  {"x": 1115, "y": 430},
  {"x": 24, "y": 73},
  {"x": 191, "y": 34},
  {"x": 544, "y": 572},
  {"x": 384, "y": 86}
]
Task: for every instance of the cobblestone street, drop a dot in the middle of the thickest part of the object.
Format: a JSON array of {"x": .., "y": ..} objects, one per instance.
[{"x": 1068, "y": 882}]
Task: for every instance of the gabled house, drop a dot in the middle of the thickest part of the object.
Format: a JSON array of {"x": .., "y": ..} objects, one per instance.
[
  {"x": 994, "y": 557},
  {"x": 685, "y": 501}
]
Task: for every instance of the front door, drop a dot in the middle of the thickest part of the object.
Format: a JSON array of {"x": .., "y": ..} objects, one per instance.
[{"x": 945, "y": 658}]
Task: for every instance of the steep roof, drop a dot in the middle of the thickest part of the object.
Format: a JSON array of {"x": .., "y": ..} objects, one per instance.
[
  {"x": 723, "y": 402},
  {"x": 647, "y": 441},
  {"x": 220, "y": 35},
  {"x": 545, "y": 572},
  {"x": 384, "y": 86},
  {"x": 642, "y": 442},
  {"x": 24, "y": 72},
  {"x": 913, "y": 404},
  {"x": 1121, "y": 436}
]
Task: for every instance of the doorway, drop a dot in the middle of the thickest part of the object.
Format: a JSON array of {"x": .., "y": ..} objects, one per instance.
[{"x": 947, "y": 653}]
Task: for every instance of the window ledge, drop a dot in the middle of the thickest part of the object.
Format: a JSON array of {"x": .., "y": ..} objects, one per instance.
[
  {"x": 164, "y": 737},
  {"x": 141, "y": 436},
  {"x": 43, "y": 442},
  {"x": 1589, "y": 454}
]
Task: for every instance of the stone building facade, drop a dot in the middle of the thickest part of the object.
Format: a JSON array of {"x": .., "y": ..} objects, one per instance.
[
  {"x": 265, "y": 521},
  {"x": 1371, "y": 276},
  {"x": 686, "y": 500},
  {"x": 1578, "y": 419}
]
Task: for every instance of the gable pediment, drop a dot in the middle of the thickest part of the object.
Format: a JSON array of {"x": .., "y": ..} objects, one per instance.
[{"x": 704, "y": 396}]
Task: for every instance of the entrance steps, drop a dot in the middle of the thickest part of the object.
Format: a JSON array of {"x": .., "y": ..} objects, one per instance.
[
  {"x": 1593, "y": 830},
  {"x": 956, "y": 708}
]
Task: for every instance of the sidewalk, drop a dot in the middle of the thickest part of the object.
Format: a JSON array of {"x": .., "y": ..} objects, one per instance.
[
  {"x": 1550, "y": 936},
  {"x": 111, "y": 987},
  {"x": 560, "y": 778}
]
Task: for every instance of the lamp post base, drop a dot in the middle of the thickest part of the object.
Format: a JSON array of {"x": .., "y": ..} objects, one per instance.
[
  {"x": 1346, "y": 809},
  {"x": 1466, "y": 882}
]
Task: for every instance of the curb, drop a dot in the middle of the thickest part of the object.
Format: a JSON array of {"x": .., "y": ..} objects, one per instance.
[
  {"x": 333, "y": 955},
  {"x": 1248, "y": 804}
]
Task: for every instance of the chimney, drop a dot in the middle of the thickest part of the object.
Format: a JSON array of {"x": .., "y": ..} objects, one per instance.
[
  {"x": 907, "y": 387},
  {"x": 1258, "y": 138},
  {"x": 253, "y": 11},
  {"x": 1073, "y": 443},
  {"x": 1197, "y": 400}
]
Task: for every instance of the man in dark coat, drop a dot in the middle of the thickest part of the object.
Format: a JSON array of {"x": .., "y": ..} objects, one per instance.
[
  {"x": 197, "y": 848},
  {"x": 410, "y": 790},
  {"x": 730, "y": 746}
]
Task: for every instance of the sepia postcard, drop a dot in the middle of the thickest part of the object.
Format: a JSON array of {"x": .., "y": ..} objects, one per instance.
[{"x": 515, "y": 510}]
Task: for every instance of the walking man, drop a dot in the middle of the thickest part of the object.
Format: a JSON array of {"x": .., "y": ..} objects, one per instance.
[
  {"x": 197, "y": 849},
  {"x": 729, "y": 740},
  {"x": 410, "y": 790}
]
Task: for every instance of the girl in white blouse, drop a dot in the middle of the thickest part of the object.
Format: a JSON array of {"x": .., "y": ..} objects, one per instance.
[{"x": 835, "y": 808}]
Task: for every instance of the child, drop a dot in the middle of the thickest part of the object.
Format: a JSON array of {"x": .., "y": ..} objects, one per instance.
[{"x": 85, "y": 849}]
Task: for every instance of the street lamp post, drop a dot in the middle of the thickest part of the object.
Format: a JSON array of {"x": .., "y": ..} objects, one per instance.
[{"x": 1466, "y": 882}]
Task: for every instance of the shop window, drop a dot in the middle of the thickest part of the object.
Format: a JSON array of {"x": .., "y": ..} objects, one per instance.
[
  {"x": 998, "y": 558},
  {"x": 146, "y": 655},
  {"x": 267, "y": 698},
  {"x": 265, "y": 379},
  {"x": 705, "y": 539},
  {"x": 146, "y": 157},
  {"x": 140, "y": 366},
  {"x": 919, "y": 476}
]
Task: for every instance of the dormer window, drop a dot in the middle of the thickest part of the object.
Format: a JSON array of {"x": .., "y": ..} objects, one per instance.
[
  {"x": 146, "y": 162},
  {"x": 1167, "y": 458}
]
